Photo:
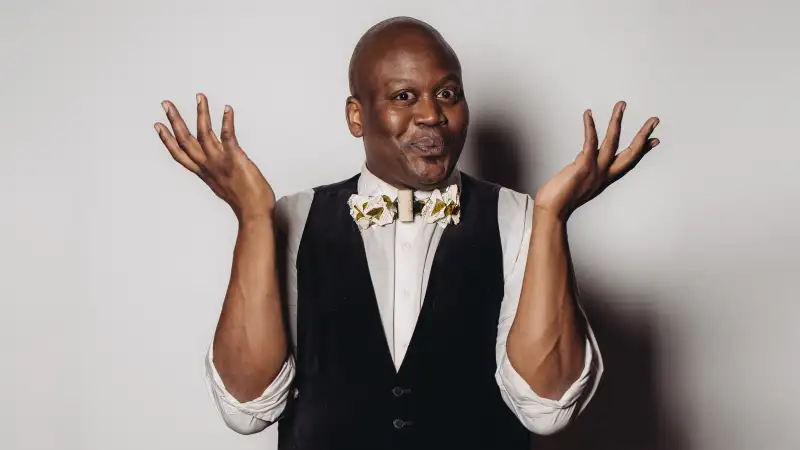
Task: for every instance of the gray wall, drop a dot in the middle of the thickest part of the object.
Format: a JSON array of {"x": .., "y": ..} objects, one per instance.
[{"x": 115, "y": 260}]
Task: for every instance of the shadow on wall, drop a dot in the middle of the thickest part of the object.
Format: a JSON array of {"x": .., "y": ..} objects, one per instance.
[
  {"x": 625, "y": 413},
  {"x": 497, "y": 155}
]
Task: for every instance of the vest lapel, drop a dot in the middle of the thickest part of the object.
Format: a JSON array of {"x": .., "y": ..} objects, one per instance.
[
  {"x": 451, "y": 237},
  {"x": 352, "y": 254},
  {"x": 379, "y": 246}
]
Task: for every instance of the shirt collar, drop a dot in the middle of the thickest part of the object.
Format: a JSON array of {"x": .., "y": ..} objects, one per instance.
[{"x": 369, "y": 185}]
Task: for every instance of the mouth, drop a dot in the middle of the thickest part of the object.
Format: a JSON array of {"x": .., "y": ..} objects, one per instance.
[{"x": 429, "y": 146}]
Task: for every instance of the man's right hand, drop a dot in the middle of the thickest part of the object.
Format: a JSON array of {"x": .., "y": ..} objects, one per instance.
[{"x": 223, "y": 166}]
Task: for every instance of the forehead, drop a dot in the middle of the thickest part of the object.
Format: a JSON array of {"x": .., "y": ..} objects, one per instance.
[{"x": 410, "y": 56}]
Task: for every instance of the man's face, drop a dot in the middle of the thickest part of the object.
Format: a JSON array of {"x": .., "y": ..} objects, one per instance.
[{"x": 413, "y": 113}]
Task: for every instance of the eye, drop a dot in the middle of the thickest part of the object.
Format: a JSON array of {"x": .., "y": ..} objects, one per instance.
[
  {"x": 447, "y": 94},
  {"x": 404, "y": 96}
]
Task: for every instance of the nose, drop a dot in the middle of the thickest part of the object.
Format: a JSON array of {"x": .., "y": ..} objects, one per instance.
[{"x": 429, "y": 112}]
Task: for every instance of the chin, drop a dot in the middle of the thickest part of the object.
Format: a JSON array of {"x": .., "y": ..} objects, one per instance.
[{"x": 429, "y": 174}]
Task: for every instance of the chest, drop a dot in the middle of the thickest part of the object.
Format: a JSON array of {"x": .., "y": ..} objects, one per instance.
[{"x": 444, "y": 286}]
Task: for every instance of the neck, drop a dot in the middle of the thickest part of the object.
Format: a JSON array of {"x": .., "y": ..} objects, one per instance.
[{"x": 415, "y": 185}]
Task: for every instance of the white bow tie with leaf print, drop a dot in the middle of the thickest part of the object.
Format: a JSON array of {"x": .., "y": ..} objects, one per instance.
[{"x": 440, "y": 208}]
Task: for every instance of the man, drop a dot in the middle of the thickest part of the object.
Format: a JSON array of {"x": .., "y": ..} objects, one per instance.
[{"x": 426, "y": 309}]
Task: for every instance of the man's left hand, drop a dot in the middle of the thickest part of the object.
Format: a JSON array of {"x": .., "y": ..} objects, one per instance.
[{"x": 594, "y": 169}]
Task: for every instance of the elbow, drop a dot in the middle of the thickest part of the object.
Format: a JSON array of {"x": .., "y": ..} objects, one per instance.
[
  {"x": 537, "y": 414},
  {"x": 548, "y": 425},
  {"x": 544, "y": 420},
  {"x": 256, "y": 415},
  {"x": 245, "y": 424}
]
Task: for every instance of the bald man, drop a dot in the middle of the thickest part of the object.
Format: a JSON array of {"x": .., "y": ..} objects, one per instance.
[{"x": 411, "y": 306}]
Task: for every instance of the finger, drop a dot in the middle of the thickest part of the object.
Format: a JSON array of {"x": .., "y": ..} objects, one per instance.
[
  {"x": 228, "y": 133},
  {"x": 611, "y": 141},
  {"x": 174, "y": 149},
  {"x": 589, "y": 136},
  {"x": 205, "y": 135},
  {"x": 186, "y": 141},
  {"x": 631, "y": 160},
  {"x": 631, "y": 156}
]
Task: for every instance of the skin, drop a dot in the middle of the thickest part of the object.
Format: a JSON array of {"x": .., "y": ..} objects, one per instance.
[
  {"x": 407, "y": 103},
  {"x": 250, "y": 344},
  {"x": 545, "y": 344}
]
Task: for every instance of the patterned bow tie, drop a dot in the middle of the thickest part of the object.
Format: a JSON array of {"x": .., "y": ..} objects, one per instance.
[{"x": 441, "y": 208}]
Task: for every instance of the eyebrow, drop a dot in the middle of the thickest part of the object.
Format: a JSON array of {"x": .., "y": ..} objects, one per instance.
[
  {"x": 450, "y": 77},
  {"x": 396, "y": 81},
  {"x": 445, "y": 79}
]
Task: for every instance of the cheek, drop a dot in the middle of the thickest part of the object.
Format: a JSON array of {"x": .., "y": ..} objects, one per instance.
[
  {"x": 458, "y": 118},
  {"x": 394, "y": 123}
]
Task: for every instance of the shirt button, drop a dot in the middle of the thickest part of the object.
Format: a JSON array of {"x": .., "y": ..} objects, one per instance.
[
  {"x": 406, "y": 292},
  {"x": 398, "y": 423},
  {"x": 397, "y": 391},
  {"x": 406, "y": 246}
]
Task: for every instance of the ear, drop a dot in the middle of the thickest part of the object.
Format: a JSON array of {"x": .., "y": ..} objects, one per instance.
[{"x": 353, "y": 115}]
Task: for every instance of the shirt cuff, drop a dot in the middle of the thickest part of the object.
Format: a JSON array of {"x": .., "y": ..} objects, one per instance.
[
  {"x": 546, "y": 416},
  {"x": 267, "y": 408}
]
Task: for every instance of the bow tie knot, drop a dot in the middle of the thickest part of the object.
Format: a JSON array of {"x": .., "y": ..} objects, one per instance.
[{"x": 441, "y": 208}]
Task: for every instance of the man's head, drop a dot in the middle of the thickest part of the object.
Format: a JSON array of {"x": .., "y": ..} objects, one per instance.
[{"x": 408, "y": 103}]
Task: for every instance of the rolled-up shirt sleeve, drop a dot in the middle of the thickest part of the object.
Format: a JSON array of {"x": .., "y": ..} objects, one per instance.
[
  {"x": 257, "y": 414},
  {"x": 542, "y": 415},
  {"x": 538, "y": 414}
]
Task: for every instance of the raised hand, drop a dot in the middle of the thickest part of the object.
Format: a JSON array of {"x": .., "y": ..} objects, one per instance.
[
  {"x": 594, "y": 169},
  {"x": 223, "y": 166}
]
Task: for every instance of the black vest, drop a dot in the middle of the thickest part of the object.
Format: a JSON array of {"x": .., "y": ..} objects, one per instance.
[{"x": 445, "y": 395}]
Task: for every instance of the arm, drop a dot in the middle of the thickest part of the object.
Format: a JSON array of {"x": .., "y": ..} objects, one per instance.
[
  {"x": 545, "y": 344},
  {"x": 255, "y": 415},
  {"x": 538, "y": 414},
  {"x": 249, "y": 348}
]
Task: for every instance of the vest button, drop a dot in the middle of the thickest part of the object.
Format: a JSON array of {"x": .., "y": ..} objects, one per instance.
[
  {"x": 398, "y": 423},
  {"x": 397, "y": 391}
]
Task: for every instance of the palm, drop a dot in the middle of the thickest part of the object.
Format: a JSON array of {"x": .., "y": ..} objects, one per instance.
[
  {"x": 595, "y": 168},
  {"x": 220, "y": 163}
]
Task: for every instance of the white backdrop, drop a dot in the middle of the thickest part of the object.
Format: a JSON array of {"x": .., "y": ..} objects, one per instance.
[{"x": 115, "y": 260}]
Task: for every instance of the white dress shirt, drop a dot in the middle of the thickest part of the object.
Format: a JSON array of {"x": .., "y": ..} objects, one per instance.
[{"x": 399, "y": 256}]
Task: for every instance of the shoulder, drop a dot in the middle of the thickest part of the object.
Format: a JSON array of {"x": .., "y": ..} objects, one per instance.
[
  {"x": 511, "y": 203},
  {"x": 291, "y": 211},
  {"x": 514, "y": 222},
  {"x": 514, "y": 214},
  {"x": 345, "y": 187},
  {"x": 512, "y": 206},
  {"x": 509, "y": 200}
]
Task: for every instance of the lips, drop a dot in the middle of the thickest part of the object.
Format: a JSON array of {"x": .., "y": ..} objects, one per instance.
[{"x": 430, "y": 146}]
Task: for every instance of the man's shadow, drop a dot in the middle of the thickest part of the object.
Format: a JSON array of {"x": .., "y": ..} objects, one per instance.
[{"x": 626, "y": 412}]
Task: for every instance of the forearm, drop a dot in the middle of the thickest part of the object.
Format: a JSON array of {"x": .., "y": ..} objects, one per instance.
[
  {"x": 250, "y": 342},
  {"x": 545, "y": 344}
]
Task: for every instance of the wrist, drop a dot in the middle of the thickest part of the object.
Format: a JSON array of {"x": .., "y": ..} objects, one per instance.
[
  {"x": 545, "y": 214},
  {"x": 255, "y": 218}
]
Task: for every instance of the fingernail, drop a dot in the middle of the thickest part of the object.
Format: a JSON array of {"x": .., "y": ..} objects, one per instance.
[
  {"x": 655, "y": 122},
  {"x": 156, "y": 127},
  {"x": 227, "y": 109},
  {"x": 622, "y": 108},
  {"x": 199, "y": 98},
  {"x": 656, "y": 142},
  {"x": 590, "y": 114},
  {"x": 165, "y": 105}
]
